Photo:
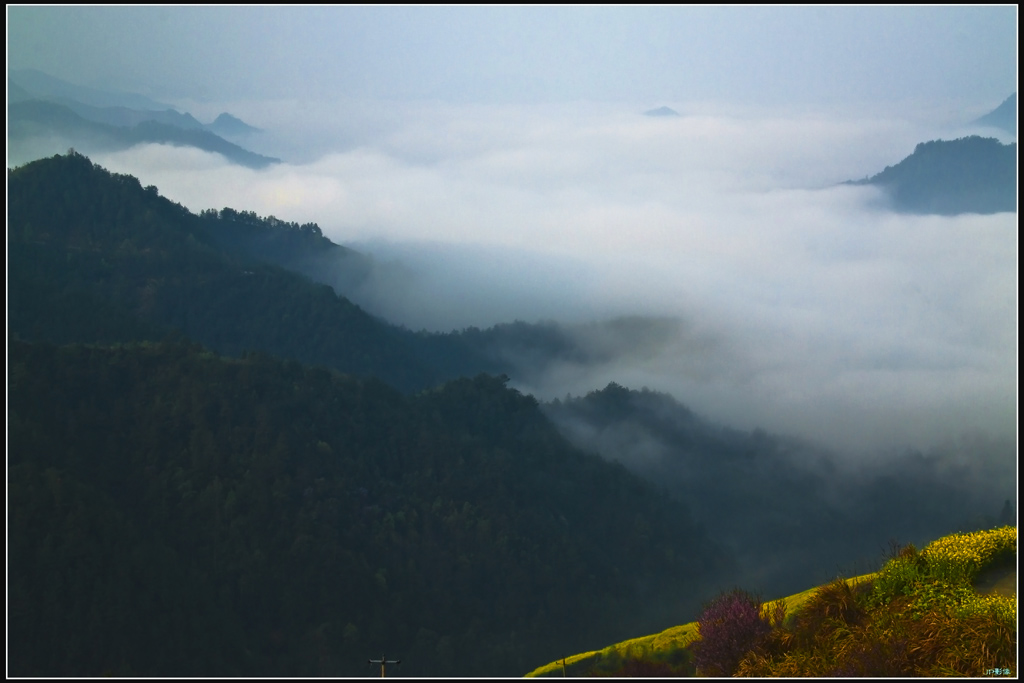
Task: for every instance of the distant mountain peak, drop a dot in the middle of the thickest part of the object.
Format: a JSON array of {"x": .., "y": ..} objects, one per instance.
[
  {"x": 1003, "y": 117},
  {"x": 661, "y": 111},
  {"x": 97, "y": 120},
  {"x": 229, "y": 125}
]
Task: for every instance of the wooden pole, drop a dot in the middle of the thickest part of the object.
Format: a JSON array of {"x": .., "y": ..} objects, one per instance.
[{"x": 384, "y": 661}]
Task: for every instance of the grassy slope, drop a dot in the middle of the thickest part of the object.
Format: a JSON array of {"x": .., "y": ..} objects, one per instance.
[
  {"x": 666, "y": 642},
  {"x": 941, "y": 577}
]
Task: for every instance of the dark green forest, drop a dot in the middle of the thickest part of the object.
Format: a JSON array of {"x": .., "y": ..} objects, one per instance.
[
  {"x": 218, "y": 467},
  {"x": 172, "y": 512}
]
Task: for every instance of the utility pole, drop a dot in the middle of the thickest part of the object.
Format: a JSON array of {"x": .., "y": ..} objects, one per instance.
[{"x": 384, "y": 661}]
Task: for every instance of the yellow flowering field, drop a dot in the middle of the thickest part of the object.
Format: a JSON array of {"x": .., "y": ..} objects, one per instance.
[
  {"x": 972, "y": 551},
  {"x": 958, "y": 558},
  {"x": 999, "y": 607}
]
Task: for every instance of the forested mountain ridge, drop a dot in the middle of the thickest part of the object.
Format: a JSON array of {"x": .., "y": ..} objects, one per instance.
[
  {"x": 99, "y": 258},
  {"x": 299, "y": 248},
  {"x": 96, "y": 258},
  {"x": 174, "y": 513},
  {"x": 967, "y": 175}
]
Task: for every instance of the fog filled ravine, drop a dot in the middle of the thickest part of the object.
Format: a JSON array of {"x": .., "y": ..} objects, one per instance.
[{"x": 358, "y": 355}]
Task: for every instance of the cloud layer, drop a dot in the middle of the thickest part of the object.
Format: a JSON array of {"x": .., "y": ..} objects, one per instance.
[{"x": 803, "y": 306}]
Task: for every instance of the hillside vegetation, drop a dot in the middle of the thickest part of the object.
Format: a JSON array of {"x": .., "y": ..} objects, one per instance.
[{"x": 932, "y": 612}]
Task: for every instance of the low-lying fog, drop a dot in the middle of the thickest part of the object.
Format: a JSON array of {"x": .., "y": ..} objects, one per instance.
[{"x": 803, "y": 307}]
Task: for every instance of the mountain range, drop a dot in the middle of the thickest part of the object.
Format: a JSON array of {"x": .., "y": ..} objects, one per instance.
[{"x": 43, "y": 110}]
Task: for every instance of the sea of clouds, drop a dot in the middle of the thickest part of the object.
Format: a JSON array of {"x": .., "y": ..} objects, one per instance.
[{"x": 802, "y": 306}]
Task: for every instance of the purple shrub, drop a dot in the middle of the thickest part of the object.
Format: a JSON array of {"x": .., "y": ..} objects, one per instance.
[{"x": 729, "y": 627}]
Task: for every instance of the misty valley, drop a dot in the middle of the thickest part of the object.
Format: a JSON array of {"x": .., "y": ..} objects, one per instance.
[
  {"x": 512, "y": 341},
  {"x": 220, "y": 465}
]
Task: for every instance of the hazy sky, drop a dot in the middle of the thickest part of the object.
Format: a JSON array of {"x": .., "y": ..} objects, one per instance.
[
  {"x": 495, "y": 163},
  {"x": 749, "y": 55}
]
